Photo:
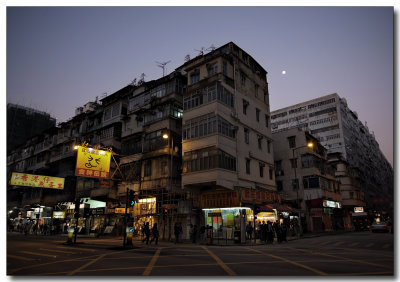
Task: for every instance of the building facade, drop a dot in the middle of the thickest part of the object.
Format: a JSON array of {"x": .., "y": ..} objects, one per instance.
[
  {"x": 338, "y": 128},
  {"x": 227, "y": 145},
  {"x": 307, "y": 181}
]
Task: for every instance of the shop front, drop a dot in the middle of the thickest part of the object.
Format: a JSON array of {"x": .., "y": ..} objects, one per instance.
[{"x": 227, "y": 212}]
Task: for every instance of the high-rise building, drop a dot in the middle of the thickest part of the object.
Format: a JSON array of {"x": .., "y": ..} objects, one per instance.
[
  {"x": 338, "y": 128},
  {"x": 23, "y": 123}
]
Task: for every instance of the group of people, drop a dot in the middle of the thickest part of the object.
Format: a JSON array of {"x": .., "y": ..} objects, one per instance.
[
  {"x": 34, "y": 228},
  {"x": 146, "y": 232},
  {"x": 268, "y": 231}
]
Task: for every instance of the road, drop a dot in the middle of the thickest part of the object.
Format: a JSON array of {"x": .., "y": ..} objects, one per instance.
[{"x": 345, "y": 254}]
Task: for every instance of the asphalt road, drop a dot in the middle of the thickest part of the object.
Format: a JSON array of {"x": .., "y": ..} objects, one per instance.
[{"x": 346, "y": 254}]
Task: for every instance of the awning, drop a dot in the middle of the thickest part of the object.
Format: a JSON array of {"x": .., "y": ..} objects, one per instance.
[
  {"x": 284, "y": 208},
  {"x": 264, "y": 208}
]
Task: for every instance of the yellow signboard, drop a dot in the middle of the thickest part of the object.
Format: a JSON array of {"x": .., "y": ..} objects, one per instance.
[
  {"x": 39, "y": 181},
  {"x": 93, "y": 163}
]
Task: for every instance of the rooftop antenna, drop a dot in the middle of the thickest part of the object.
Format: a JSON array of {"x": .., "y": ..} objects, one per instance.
[
  {"x": 162, "y": 65},
  {"x": 201, "y": 51},
  {"x": 211, "y": 48}
]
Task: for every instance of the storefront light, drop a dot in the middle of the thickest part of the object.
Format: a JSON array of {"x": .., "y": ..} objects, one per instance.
[{"x": 240, "y": 208}]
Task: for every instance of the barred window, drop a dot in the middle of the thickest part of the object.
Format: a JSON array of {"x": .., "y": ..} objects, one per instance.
[
  {"x": 206, "y": 125},
  {"x": 208, "y": 158}
]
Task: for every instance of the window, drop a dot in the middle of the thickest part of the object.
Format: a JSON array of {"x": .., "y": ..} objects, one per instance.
[
  {"x": 258, "y": 115},
  {"x": 256, "y": 87},
  {"x": 164, "y": 167},
  {"x": 293, "y": 163},
  {"x": 295, "y": 184},
  {"x": 259, "y": 139},
  {"x": 266, "y": 121},
  {"x": 208, "y": 158},
  {"x": 212, "y": 69},
  {"x": 147, "y": 168},
  {"x": 292, "y": 141},
  {"x": 351, "y": 195},
  {"x": 245, "y": 104},
  {"x": 246, "y": 136},
  {"x": 261, "y": 168},
  {"x": 242, "y": 79},
  {"x": 224, "y": 68},
  {"x": 206, "y": 125},
  {"x": 195, "y": 77},
  {"x": 107, "y": 114},
  {"x": 279, "y": 185},
  {"x": 269, "y": 146},
  {"x": 247, "y": 166},
  {"x": 266, "y": 97},
  {"x": 271, "y": 171}
]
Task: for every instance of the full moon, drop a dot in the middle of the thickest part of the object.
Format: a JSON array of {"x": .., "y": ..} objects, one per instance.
[{"x": 283, "y": 72}]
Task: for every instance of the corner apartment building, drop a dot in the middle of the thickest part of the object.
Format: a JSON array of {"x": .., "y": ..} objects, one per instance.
[
  {"x": 151, "y": 152},
  {"x": 306, "y": 180},
  {"x": 339, "y": 130},
  {"x": 227, "y": 144}
]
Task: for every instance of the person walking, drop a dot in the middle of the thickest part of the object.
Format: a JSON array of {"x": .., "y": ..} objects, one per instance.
[
  {"x": 270, "y": 233},
  {"x": 146, "y": 232},
  {"x": 180, "y": 232},
  {"x": 263, "y": 232},
  {"x": 155, "y": 234},
  {"x": 176, "y": 232},
  {"x": 194, "y": 235},
  {"x": 249, "y": 230},
  {"x": 202, "y": 234}
]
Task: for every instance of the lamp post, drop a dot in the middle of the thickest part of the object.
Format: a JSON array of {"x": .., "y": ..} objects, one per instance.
[
  {"x": 309, "y": 145},
  {"x": 170, "y": 147}
]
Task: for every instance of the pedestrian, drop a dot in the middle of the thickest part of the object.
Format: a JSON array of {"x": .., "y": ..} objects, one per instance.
[
  {"x": 191, "y": 232},
  {"x": 278, "y": 231},
  {"x": 202, "y": 234},
  {"x": 176, "y": 232},
  {"x": 284, "y": 232},
  {"x": 270, "y": 232},
  {"x": 194, "y": 235},
  {"x": 155, "y": 234},
  {"x": 180, "y": 232},
  {"x": 249, "y": 230},
  {"x": 263, "y": 232},
  {"x": 146, "y": 232}
]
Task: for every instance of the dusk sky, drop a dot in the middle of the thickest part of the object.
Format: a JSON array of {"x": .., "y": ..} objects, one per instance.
[{"x": 59, "y": 58}]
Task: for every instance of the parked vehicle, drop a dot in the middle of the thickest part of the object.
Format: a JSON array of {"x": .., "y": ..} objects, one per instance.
[{"x": 379, "y": 227}]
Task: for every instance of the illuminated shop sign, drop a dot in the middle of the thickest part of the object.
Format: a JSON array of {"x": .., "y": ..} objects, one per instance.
[
  {"x": 36, "y": 181},
  {"x": 58, "y": 214},
  {"x": 331, "y": 204},
  {"x": 358, "y": 209},
  {"x": 92, "y": 163}
]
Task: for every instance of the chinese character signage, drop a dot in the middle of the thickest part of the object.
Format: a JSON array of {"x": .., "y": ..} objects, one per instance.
[
  {"x": 38, "y": 181},
  {"x": 93, "y": 163}
]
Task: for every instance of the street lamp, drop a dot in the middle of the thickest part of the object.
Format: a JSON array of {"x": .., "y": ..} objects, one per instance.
[
  {"x": 309, "y": 145},
  {"x": 170, "y": 147}
]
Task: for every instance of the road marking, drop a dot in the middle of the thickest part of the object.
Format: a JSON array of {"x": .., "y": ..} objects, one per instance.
[
  {"x": 219, "y": 261},
  {"x": 152, "y": 262},
  {"x": 57, "y": 251},
  {"x": 343, "y": 258},
  {"x": 18, "y": 257},
  {"x": 354, "y": 244},
  {"x": 86, "y": 265},
  {"x": 77, "y": 248},
  {"x": 325, "y": 243},
  {"x": 38, "y": 254},
  {"x": 291, "y": 262},
  {"x": 369, "y": 245},
  {"x": 339, "y": 243}
]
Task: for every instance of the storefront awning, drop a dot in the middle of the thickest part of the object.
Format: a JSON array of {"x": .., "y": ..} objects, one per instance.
[{"x": 284, "y": 208}]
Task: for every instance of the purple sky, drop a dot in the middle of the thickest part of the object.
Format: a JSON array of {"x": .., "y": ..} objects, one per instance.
[{"x": 59, "y": 58}]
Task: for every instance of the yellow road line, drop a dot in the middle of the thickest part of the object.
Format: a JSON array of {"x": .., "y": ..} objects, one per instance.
[
  {"x": 57, "y": 251},
  {"x": 38, "y": 254},
  {"x": 86, "y": 265},
  {"x": 354, "y": 244},
  {"x": 152, "y": 263},
  {"x": 22, "y": 258},
  {"x": 345, "y": 259},
  {"x": 78, "y": 248},
  {"x": 291, "y": 262},
  {"x": 325, "y": 243},
  {"x": 339, "y": 243},
  {"x": 219, "y": 261}
]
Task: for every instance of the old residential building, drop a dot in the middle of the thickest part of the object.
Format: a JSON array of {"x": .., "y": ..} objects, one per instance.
[
  {"x": 227, "y": 145},
  {"x": 306, "y": 180},
  {"x": 339, "y": 130}
]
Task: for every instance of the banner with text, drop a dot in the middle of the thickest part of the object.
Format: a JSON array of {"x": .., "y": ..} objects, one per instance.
[
  {"x": 38, "y": 181},
  {"x": 93, "y": 163}
]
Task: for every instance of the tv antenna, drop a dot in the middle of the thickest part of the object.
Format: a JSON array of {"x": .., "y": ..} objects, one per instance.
[
  {"x": 162, "y": 65},
  {"x": 211, "y": 48},
  {"x": 201, "y": 51}
]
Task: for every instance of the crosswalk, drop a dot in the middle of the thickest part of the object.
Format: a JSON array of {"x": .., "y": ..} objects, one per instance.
[{"x": 57, "y": 251}]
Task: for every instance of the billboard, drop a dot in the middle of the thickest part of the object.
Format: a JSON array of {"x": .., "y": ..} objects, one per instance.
[
  {"x": 38, "y": 181},
  {"x": 93, "y": 163}
]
